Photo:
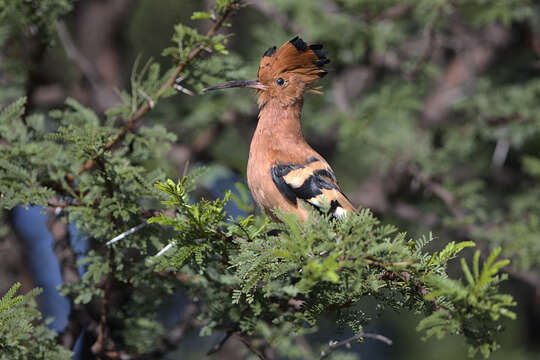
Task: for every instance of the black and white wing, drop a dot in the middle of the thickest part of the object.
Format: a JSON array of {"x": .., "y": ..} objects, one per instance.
[{"x": 312, "y": 182}]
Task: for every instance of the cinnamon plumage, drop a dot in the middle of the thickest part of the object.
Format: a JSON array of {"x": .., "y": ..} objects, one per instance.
[{"x": 283, "y": 170}]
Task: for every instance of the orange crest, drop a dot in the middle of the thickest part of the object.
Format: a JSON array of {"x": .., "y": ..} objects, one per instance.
[
  {"x": 296, "y": 58},
  {"x": 285, "y": 74}
]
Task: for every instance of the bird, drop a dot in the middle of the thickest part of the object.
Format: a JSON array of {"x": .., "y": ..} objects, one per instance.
[{"x": 283, "y": 170}]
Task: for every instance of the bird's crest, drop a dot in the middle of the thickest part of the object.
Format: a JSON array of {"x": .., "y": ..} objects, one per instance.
[
  {"x": 293, "y": 57},
  {"x": 285, "y": 74}
]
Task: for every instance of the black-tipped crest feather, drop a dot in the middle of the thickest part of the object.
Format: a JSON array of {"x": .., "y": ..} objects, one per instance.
[
  {"x": 271, "y": 50},
  {"x": 299, "y": 44}
]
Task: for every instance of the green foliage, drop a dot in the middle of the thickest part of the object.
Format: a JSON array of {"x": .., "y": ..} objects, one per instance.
[
  {"x": 284, "y": 277},
  {"x": 480, "y": 305},
  {"x": 8, "y": 300},
  {"x": 41, "y": 164},
  {"x": 195, "y": 225},
  {"x": 19, "y": 178},
  {"x": 20, "y": 338},
  {"x": 25, "y": 28},
  {"x": 187, "y": 39},
  {"x": 379, "y": 111},
  {"x": 32, "y": 16}
]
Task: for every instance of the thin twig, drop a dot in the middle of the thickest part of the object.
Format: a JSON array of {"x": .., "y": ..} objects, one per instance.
[
  {"x": 214, "y": 349},
  {"x": 251, "y": 347},
  {"x": 445, "y": 195},
  {"x": 169, "y": 83},
  {"x": 76, "y": 56},
  {"x": 54, "y": 204},
  {"x": 176, "y": 334},
  {"x": 347, "y": 342}
]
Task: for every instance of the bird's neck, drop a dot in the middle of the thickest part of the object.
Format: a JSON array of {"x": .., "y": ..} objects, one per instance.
[{"x": 280, "y": 125}]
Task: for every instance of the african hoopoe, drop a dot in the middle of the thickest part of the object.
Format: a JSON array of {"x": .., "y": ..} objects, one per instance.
[{"x": 282, "y": 167}]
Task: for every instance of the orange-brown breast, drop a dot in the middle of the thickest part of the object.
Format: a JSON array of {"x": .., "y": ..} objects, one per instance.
[{"x": 277, "y": 140}]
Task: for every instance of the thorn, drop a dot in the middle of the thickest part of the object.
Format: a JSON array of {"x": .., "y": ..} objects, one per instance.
[
  {"x": 126, "y": 233},
  {"x": 184, "y": 90},
  {"x": 500, "y": 153},
  {"x": 148, "y": 98},
  {"x": 162, "y": 251}
]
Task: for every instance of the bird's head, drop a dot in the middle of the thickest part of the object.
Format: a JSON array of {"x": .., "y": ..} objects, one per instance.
[{"x": 285, "y": 73}]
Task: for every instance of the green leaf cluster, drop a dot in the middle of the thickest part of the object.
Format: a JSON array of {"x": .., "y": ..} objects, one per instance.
[
  {"x": 20, "y": 337},
  {"x": 271, "y": 280}
]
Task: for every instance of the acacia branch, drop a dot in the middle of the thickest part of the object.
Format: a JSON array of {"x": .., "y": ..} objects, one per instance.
[
  {"x": 347, "y": 342},
  {"x": 146, "y": 106}
]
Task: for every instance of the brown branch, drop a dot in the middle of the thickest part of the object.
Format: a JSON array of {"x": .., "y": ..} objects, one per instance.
[
  {"x": 473, "y": 56},
  {"x": 99, "y": 347},
  {"x": 445, "y": 195},
  {"x": 54, "y": 204},
  {"x": 69, "y": 202},
  {"x": 169, "y": 83},
  {"x": 347, "y": 342},
  {"x": 175, "y": 334},
  {"x": 251, "y": 347},
  {"x": 214, "y": 349},
  {"x": 77, "y": 57}
]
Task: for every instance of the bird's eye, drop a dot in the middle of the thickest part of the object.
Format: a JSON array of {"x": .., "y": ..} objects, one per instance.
[{"x": 280, "y": 81}]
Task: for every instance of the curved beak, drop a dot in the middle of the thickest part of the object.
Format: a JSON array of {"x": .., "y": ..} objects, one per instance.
[{"x": 253, "y": 83}]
